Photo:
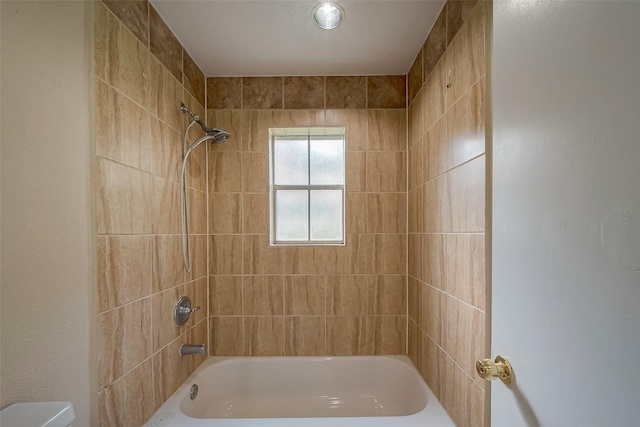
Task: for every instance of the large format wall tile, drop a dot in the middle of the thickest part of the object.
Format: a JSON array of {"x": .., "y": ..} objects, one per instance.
[
  {"x": 436, "y": 42},
  {"x": 386, "y": 171},
  {"x": 262, "y": 92},
  {"x": 355, "y": 124},
  {"x": 225, "y": 295},
  {"x": 225, "y": 254},
  {"x": 259, "y": 257},
  {"x": 231, "y": 121},
  {"x": 304, "y": 295},
  {"x": 414, "y": 256},
  {"x": 434, "y": 150},
  {"x": 416, "y": 165},
  {"x": 134, "y": 15},
  {"x": 166, "y": 151},
  {"x": 347, "y": 295},
  {"x": 304, "y": 92},
  {"x": 262, "y": 295},
  {"x": 457, "y": 13},
  {"x": 122, "y": 128},
  {"x": 164, "y": 330},
  {"x": 264, "y": 336},
  {"x": 225, "y": 217},
  {"x": 346, "y": 336},
  {"x": 389, "y": 253},
  {"x": 414, "y": 207},
  {"x": 465, "y": 195},
  {"x": 166, "y": 94},
  {"x": 346, "y": 92},
  {"x": 386, "y": 92},
  {"x": 224, "y": 92},
  {"x": 164, "y": 45},
  {"x": 124, "y": 270},
  {"x": 356, "y": 216},
  {"x": 125, "y": 340},
  {"x": 416, "y": 119},
  {"x": 356, "y": 171},
  {"x": 170, "y": 369},
  {"x": 386, "y": 213},
  {"x": 463, "y": 334},
  {"x": 387, "y": 130},
  {"x": 194, "y": 80},
  {"x": 387, "y": 334},
  {"x": 123, "y": 199},
  {"x": 414, "y": 78},
  {"x": 120, "y": 59},
  {"x": 128, "y": 401},
  {"x": 387, "y": 295},
  {"x": 465, "y": 267},
  {"x": 199, "y": 258},
  {"x": 197, "y": 291},
  {"x": 227, "y": 336},
  {"x": 167, "y": 270},
  {"x": 434, "y": 101},
  {"x": 465, "y": 127},
  {"x": 255, "y": 167},
  {"x": 305, "y": 260},
  {"x": 465, "y": 55},
  {"x": 305, "y": 336},
  {"x": 225, "y": 172},
  {"x": 166, "y": 206}
]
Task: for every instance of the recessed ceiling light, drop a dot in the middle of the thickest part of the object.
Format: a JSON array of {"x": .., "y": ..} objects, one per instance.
[{"x": 328, "y": 15}]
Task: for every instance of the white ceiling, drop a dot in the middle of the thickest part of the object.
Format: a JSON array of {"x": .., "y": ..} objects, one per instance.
[{"x": 274, "y": 38}]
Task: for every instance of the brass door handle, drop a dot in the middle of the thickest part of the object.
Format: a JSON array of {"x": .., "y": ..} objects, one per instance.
[{"x": 491, "y": 370}]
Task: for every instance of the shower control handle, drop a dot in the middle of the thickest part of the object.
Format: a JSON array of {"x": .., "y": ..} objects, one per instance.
[
  {"x": 182, "y": 311},
  {"x": 187, "y": 310}
]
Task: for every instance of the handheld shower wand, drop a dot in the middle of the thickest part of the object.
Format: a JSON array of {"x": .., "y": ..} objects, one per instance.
[{"x": 217, "y": 136}]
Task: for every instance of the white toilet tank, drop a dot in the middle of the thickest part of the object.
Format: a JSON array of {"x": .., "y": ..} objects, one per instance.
[{"x": 38, "y": 414}]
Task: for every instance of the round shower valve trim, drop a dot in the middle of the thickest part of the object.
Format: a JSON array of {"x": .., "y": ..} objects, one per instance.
[{"x": 182, "y": 311}]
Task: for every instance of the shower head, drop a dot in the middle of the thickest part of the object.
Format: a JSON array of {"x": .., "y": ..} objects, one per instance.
[{"x": 217, "y": 136}]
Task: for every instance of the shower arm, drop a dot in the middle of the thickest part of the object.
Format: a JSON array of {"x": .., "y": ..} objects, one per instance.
[
  {"x": 195, "y": 117},
  {"x": 185, "y": 109}
]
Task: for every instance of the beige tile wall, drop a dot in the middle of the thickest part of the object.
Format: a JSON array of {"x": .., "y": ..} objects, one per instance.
[
  {"x": 139, "y": 85},
  {"x": 446, "y": 198},
  {"x": 269, "y": 301}
]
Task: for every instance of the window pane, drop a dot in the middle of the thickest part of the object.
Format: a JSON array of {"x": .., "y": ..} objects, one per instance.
[
  {"x": 327, "y": 161},
  {"x": 326, "y": 215},
  {"x": 292, "y": 215},
  {"x": 291, "y": 161}
]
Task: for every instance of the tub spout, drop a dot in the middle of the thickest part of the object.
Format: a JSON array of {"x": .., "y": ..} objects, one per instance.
[{"x": 192, "y": 349}]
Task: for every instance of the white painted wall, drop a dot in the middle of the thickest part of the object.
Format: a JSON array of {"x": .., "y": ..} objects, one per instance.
[
  {"x": 47, "y": 287},
  {"x": 566, "y": 212}
]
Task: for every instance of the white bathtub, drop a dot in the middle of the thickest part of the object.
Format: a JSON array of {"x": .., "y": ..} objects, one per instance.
[{"x": 371, "y": 391}]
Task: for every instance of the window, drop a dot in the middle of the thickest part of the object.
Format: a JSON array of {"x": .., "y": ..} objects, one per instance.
[{"x": 307, "y": 186}]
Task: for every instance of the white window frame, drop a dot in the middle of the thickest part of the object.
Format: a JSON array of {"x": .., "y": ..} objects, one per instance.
[{"x": 309, "y": 133}]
